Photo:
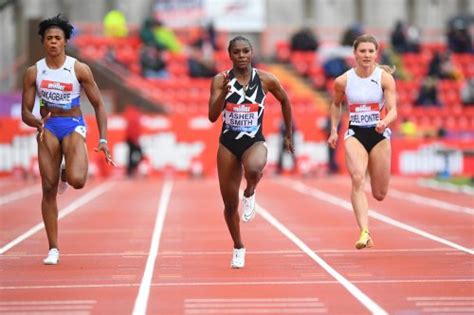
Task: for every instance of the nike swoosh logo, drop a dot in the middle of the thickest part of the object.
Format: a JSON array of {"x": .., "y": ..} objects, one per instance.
[
  {"x": 248, "y": 217},
  {"x": 252, "y": 87}
]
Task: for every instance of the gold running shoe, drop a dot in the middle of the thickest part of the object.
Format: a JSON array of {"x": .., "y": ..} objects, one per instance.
[{"x": 365, "y": 241}]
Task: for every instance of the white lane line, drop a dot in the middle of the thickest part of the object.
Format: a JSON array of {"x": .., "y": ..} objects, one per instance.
[
  {"x": 258, "y": 311},
  {"x": 144, "y": 291},
  {"x": 55, "y": 302},
  {"x": 38, "y": 308},
  {"x": 79, "y": 202},
  {"x": 440, "y": 298},
  {"x": 257, "y": 252},
  {"x": 373, "y": 307},
  {"x": 219, "y": 300},
  {"x": 232, "y": 283},
  {"x": 430, "y": 202},
  {"x": 446, "y": 303},
  {"x": 326, "y": 197},
  {"x": 26, "y": 192},
  {"x": 252, "y": 304},
  {"x": 448, "y": 310}
]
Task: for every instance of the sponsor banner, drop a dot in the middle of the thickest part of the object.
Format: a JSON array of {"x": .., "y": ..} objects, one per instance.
[
  {"x": 237, "y": 15},
  {"x": 179, "y": 13},
  {"x": 188, "y": 143}
]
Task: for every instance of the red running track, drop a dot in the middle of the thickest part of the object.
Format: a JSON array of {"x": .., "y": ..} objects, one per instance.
[{"x": 155, "y": 246}]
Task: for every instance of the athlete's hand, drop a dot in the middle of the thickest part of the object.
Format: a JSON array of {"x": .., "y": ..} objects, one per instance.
[
  {"x": 332, "y": 140},
  {"x": 108, "y": 157},
  {"x": 289, "y": 144},
  {"x": 380, "y": 127},
  {"x": 40, "y": 127},
  {"x": 225, "y": 83}
]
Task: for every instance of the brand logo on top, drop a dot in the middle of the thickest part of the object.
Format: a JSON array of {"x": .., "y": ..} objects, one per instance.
[
  {"x": 242, "y": 108},
  {"x": 55, "y": 85},
  {"x": 355, "y": 108},
  {"x": 363, "y": 108}
]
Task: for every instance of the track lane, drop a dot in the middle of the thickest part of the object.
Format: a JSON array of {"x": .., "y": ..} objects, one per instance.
[
  {"x": 457, "y": 227},
  {"x": 107, "y": 241},
  {"x": 194, "y": 260},
  {"x": 24, "y": 213},
  {"x": 105, "y": 244},
  {"x": 375, "y": 272}
]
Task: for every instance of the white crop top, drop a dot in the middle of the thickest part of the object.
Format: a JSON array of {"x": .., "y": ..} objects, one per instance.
[
  {"x": 58, "y": 88},
  {"x": 365, "y": 98}
]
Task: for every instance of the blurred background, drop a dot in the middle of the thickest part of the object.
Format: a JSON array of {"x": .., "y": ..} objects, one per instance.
[{"x": 154, "y": 59}]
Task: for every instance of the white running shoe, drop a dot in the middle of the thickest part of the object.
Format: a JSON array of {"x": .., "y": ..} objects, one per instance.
[
  {"x": 238, "y": 258},
  {"x": 62, "y": 186},
  {"x": 53, "y": 257},
  {"x": 248, "y": 205}
]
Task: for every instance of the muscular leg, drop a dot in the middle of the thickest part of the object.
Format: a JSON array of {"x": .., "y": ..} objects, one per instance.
[
  {"x": 75, "y": 153},
  {"x": 379, "y": 169},
  {"x": 49, "y": 158},
  {"x": 229, "y": 169},
  {"x": 254, "y": 160},
  {"x": 357, "y": 161}
]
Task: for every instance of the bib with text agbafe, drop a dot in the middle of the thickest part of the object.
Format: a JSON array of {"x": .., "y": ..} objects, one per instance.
[
  {"x": 241, "y": 117},
  {"x": 364, "y": 115}
]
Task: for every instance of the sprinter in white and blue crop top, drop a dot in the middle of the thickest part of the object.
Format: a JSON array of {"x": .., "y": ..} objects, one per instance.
[
  {"x": 369, "y": 90},
  {"x": 57, "y": 80}
]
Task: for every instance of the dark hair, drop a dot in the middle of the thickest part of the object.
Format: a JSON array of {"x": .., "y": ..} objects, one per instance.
[
  {"x": 56, "y": 21},
  {"x": 237, "y": 38}
]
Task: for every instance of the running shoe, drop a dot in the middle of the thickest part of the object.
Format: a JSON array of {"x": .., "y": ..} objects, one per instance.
[
  {"x": 238, "y": 258},
  {"x": 63, "y": 185},
  {"x": 248, "y": 204},
  {"x": 53, "y": 257},
  {"x": 365, "y": 241}
]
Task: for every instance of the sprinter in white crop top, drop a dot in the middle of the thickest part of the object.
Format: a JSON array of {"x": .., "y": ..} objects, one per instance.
[
  {"x": 369, "y": 90},
  {"x": 57, "y": 80}
]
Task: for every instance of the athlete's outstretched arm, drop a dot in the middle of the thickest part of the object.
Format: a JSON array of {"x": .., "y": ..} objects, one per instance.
[
  {"x": 273, "y": 85},
  {"x": 85, "y": 77},
  {"x": 336, "y": 108},
  {"x": 219, "y": 89},
  {"x": 389, "y": 92}
]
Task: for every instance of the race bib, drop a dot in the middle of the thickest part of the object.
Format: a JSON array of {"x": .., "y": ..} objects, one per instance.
[
  {"x": 364, "y": 115},
  {"x": 56, "y": 94},
  {"x": 241, "y": 117}
]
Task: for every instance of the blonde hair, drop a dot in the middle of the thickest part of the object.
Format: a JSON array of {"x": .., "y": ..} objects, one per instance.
[
  {"x": 387, "y": 68},
  {"x": 367, "y": 38}
]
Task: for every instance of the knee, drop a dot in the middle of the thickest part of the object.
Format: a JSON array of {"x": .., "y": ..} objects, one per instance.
[
  {"x": 379, "y": 194},
  {"x": 358, "y": 180},
  {"x": 230, "y": 208},
  {"x": 49, "y": 188},
  {"x": 77, "y": 182},
  {"x": 253, "y": 174}
]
